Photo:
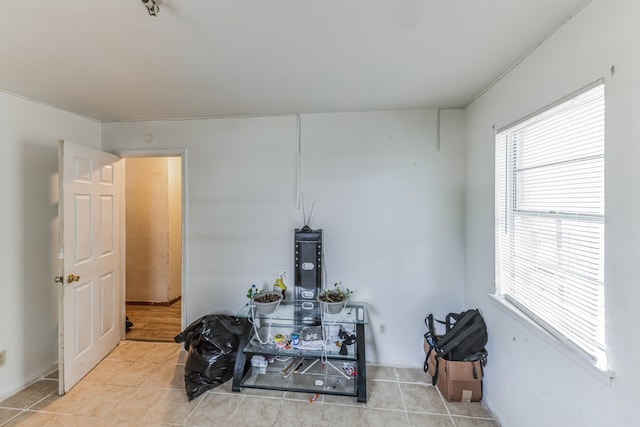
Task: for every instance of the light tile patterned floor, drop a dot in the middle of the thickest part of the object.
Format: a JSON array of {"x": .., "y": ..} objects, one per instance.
[{"x": 142, "y": 384}]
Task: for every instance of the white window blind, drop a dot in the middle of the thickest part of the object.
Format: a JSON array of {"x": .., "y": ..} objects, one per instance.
[{"x": 550, "y": 220}]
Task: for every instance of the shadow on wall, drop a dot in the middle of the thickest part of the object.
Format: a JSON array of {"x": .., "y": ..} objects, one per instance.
[{"x": 38, "y": 217}]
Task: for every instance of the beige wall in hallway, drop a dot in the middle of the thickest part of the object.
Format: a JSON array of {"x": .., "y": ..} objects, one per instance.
[
  {"x": 174, "y": 169},
  {"x": 153, "y": 218}
]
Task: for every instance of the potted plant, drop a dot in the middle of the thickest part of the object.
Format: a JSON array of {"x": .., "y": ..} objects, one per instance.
[
  {"x": 334, "y": 299},
  {"x": 266, "y": 302}
]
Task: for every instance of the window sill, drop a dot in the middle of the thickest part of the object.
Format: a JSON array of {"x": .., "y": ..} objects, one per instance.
[{"x": 605, "y": 376}]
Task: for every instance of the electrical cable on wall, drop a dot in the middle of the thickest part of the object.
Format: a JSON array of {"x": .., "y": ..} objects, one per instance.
[
  {"x": 299, "y": 165},
  {"x": 299, "y": 193},
  {"x": 438, "y": 130}
]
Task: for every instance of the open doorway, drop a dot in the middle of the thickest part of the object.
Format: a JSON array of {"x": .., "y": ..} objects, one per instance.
[{"x": 153, "y": 193}]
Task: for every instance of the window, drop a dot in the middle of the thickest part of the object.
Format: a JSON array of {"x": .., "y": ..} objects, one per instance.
[{"x": 550, "y": 220}]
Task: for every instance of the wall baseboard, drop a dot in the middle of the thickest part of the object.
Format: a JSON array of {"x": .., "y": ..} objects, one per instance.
[{"x": 165, "y": 303}]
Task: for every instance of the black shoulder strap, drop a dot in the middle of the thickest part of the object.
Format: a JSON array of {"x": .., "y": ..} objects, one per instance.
[
  {"x": 430, "y": 336},
  {"x": 428, "y": 321},
  {"x": 431, "y": 326},
  {"x": 434, "y": 379},
  {"x": 426, "y": 359}
]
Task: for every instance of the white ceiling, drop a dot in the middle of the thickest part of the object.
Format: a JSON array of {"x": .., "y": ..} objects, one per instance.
[{"x": 110, "y": 60}]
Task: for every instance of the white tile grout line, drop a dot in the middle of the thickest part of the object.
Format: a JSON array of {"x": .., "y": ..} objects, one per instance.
[
  {"x": 404, "y": 404},
  {"x": 238, "y": 407},
  {"x": 445, "y": 406},
  {"x": 13, "y": 418},
  {"x": 34, "y": 404},
  {"x": 471, "y": 417},
  {"x": 203, "y": 396}
]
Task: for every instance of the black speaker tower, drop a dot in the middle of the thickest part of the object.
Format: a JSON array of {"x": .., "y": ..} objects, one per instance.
[{"x": 307, "y": 274}]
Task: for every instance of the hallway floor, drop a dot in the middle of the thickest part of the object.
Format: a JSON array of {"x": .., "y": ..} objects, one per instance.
[
  {"x": 142, "y": 384},
  {"x": 156, "y": 323}
]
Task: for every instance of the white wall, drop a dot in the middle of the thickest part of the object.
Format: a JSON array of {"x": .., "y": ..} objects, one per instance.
[
  {"x": 29, "y": 134},
  {"x": 529, "y": 380},
  {"x": 390, "y": 204}
]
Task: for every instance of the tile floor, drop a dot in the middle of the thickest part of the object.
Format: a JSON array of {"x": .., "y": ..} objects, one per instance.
[{"x": 142, "y": 384}]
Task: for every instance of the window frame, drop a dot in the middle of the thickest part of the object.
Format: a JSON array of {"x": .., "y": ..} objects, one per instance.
[{"x": 509, "y": 208}]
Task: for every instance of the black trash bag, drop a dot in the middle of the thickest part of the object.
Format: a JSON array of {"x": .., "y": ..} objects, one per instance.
[{"x": 212, "y": 342}]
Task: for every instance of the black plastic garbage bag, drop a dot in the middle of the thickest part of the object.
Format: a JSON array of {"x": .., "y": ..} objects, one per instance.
[{"x": 212, "y": 342}]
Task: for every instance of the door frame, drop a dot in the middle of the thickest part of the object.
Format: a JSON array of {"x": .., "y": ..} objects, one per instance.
[{"x": 165, "y": 152}]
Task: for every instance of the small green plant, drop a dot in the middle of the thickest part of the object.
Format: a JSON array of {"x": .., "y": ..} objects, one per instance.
[
  {"x": 253, "y": 291},
  {"x": 261, "y": 296},
  {"x": 335, "y": 294}
]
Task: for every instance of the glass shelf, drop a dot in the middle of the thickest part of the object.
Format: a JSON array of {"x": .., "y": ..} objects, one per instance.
[
  {"x": 302, "y": 311},
  {"x": 306, "y": 348},
  {"x": 315, "y": 378},
  {"x": 305, "y": 318}
]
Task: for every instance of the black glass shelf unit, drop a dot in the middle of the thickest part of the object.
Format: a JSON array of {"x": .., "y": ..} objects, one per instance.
[{"x": 309, "y": 365}]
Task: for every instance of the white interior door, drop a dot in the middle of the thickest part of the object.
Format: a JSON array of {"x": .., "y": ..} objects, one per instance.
[{"x": 91, "y": 319}]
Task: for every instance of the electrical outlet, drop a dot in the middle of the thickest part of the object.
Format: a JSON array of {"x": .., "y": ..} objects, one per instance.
[
  {"x": 3, "y": 357},
  {"x": 383, "y": 329}
]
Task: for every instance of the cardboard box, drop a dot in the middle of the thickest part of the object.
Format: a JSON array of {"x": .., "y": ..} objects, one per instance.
[{"x": 455, "y": 379}]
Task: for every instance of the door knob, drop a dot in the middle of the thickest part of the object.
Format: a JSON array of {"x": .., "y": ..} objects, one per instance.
[{"x": 71, "y": 278}]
